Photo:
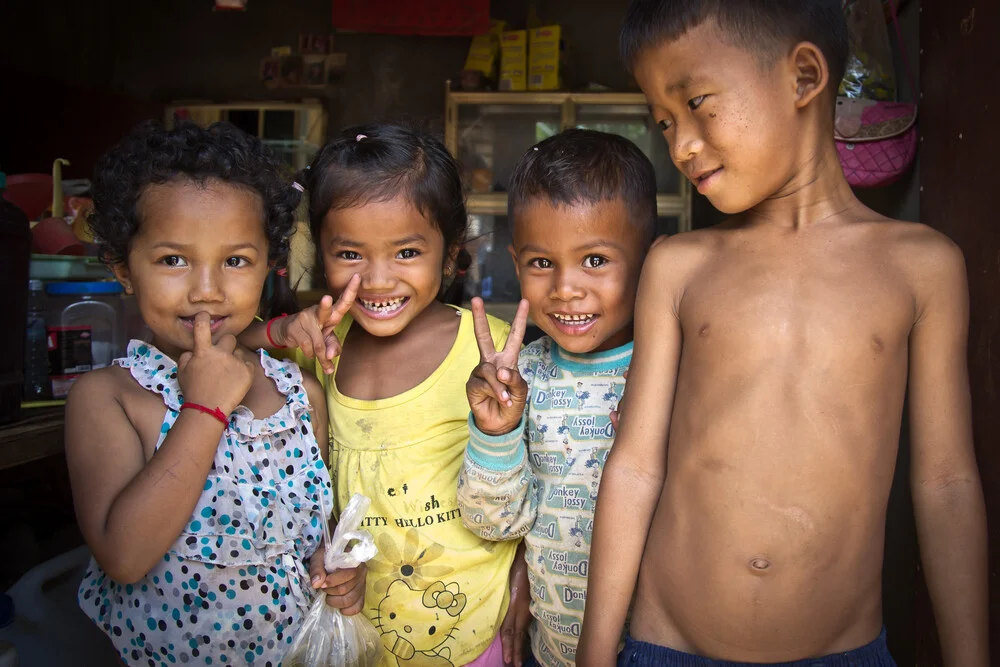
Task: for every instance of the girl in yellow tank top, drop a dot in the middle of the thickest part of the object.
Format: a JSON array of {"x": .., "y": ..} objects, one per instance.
[{"x": 387, "y": 216}]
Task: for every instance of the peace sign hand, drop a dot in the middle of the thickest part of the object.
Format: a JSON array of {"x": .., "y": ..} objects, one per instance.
[
  {"x": 311, "y": 330},
  {"x": 496, "y": 390}
]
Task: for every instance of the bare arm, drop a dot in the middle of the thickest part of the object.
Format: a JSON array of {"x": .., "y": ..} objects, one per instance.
[
  {"x": 320, "y": 419},
  {"x": 634, "y": 474},
  {"x": 947, "y": 492},
  {"x": 130, "y": 512}
]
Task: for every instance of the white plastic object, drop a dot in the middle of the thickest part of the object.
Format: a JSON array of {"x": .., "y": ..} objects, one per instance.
[{"x": 327, "y": 638}]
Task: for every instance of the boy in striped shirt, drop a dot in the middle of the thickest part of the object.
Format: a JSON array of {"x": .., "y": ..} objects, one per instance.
[{"x": 582, "y": 206}]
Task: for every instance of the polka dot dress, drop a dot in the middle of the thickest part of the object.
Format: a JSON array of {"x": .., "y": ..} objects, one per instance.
[{"x": 234, "y": 587}]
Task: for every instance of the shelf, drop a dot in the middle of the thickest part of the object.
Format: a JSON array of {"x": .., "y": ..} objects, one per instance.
[
  {"x": 495, "y": 203},
  {"x": 552, "y": 97}
]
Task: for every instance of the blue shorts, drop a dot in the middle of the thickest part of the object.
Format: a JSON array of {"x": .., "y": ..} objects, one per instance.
[{"x": 643, "y": 654}]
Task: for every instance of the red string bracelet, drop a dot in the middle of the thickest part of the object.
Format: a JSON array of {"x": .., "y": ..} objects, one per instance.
[
  {"x": 267, "y": 330},
  {"x": 214, "y": 412}
]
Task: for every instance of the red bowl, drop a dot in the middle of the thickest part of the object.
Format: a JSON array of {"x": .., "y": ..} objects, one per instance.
[
  {"x": 32, "y": 193},
  {"x": 52, "y": 236}
]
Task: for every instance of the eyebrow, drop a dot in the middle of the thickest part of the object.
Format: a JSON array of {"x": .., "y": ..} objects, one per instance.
[
  {"x": 169, "y": 245},
  {"x": 681, "y": 84},
  {"x": 580, "y": 248},
  {"x": 406, "y": 240}
]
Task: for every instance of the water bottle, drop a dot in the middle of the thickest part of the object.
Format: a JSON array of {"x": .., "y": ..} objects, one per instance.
[{"x": 36, "y": 348}]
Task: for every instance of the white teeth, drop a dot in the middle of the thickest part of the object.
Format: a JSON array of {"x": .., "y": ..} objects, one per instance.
[
  {"x": 385, "y": 304},
  {"x": 574, "y": 318}
]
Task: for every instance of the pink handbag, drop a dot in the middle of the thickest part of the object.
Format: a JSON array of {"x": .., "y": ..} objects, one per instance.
[{"x": 876, "y": 141}]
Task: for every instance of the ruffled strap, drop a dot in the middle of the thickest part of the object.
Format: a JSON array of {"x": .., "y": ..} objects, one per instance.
[
  {"x": 288, "y": 379},
  {"x": 154, "y": 371}
]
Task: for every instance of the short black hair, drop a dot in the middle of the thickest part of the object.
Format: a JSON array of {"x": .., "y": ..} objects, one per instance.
[
  {"x": 377, "y": 163},
  {"x": 765, "y": 28},
  {"x": 152, "y": 155},
  {"x": 586, "y": 167}
]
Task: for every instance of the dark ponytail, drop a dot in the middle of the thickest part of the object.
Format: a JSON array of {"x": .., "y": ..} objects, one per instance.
[{"x": 454, "y": 294}]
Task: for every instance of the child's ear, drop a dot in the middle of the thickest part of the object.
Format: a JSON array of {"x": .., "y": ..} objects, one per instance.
[
  {"x": 123, "y": 276},
  {"x": 810, "y": 71},
  {"x": 513, "y": 256}
]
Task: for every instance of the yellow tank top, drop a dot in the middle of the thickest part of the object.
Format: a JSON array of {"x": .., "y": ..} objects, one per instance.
[{"x": 436, "y": 592}]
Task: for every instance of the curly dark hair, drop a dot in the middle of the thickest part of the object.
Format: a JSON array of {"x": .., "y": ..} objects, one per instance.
[{"x": 152, "y": 155}]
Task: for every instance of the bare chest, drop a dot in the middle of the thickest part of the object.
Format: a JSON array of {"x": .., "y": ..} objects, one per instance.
[{"x": 823, "y": 310}]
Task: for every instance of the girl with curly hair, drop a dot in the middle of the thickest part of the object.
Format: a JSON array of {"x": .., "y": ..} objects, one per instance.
[{"x": 198, "y": 466}]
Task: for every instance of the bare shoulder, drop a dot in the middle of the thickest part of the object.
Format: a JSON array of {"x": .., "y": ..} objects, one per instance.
[
  {"x": 926, "y": 256},
  {"x": 99, "y": 390},
  {"x": 680, "y": 255},
  {"x": 314, "y": 389}
]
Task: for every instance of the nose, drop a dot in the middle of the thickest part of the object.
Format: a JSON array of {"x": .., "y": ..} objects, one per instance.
[
  {"x": 565, "y": 287},
  {"x": 206, "y": 285},
  {"x": 377, "y": 276},
  {"x": 687, "y": 143}
]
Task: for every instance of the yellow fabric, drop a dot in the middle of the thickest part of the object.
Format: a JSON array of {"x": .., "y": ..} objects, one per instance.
[{"x": 447, "y": 585}]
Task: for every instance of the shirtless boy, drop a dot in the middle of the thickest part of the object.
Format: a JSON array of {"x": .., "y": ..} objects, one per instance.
[{"x": 744, "y": 499}]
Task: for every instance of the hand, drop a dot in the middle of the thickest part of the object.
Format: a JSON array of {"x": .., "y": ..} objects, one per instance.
[
  {"x": 514, "y": 629},
  {"x": 616, "y": 414},
  {"x": 311, "y": 330},
  {"x": 496, "y": 390},
  {"x": 213, "y": 375},
  {"x": 345, "y": 589}
]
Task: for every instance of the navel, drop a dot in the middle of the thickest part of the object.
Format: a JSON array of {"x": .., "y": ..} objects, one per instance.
[
  {"x": 877, "y": 344},
  {"x": 703, "y": 331},
  {"x": 759, "y": 565}
]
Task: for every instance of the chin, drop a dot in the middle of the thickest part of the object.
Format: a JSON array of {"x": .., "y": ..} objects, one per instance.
[{"x": 575, "y": 344}]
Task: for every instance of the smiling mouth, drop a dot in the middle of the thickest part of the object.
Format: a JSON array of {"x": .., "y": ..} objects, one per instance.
[
  {"x": 706, "y": 176},
  {"x": 574, "y": 320},
  {"x": 384, "y": 307}
]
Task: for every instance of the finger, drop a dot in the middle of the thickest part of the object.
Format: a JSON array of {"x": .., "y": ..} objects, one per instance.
[
  {"x": 359, "y": 602},
  {"x": 519, "y": 648},
  {"x": 614, "y": 420},
  {"x": 182, "y": 362},
  {"x": 346, "y": 595},
  {"x": 481, "y": 325},
  {"x": 316, "y": 570},
  {"x": 318, "y": 345},
  {"x": 332, "y": 348},
  {"x": 344, "y": 303},
  {"x": 227, "y": 343},
  {"x": 305, "y": 346},
  {"x": 488, "y": 373},
  {"x": 512, "y": 347},
  {"x": 517, "y": 388},
  {"x": 324, "y": 309},
  {"x": 507, "y": 640},
  {"x": 202, "y": 331}
]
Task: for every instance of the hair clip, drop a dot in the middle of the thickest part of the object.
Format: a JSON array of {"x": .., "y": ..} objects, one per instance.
[
  {"x": 282, "y": 272},
  {"x": 360, "y": 137},
  {"x": 298, "y": 187},
  {"x": 534, "y": 148}
]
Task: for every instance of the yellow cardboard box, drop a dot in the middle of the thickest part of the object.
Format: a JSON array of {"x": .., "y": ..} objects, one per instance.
[
  {"x": 543, "y": 58},
  {"x": 513, "y": 60},
  {"x": 484, "y": 50}
]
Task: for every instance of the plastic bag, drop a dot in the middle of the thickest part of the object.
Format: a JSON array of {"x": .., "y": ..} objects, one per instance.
[
  {"x": 870, "y": 71},
  {"x": 327, "y": 638}
]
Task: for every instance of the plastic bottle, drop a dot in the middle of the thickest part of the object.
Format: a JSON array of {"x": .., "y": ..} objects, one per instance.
[
  {"x": 36, "y": 351},
  {"x": 85, "y": 329}
]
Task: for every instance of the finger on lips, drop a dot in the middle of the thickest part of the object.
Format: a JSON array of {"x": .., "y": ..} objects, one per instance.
[{"x": 202, "y": 330}]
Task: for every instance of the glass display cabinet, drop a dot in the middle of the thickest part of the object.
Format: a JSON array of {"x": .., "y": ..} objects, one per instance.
[{"x": 488, "y": 132}]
